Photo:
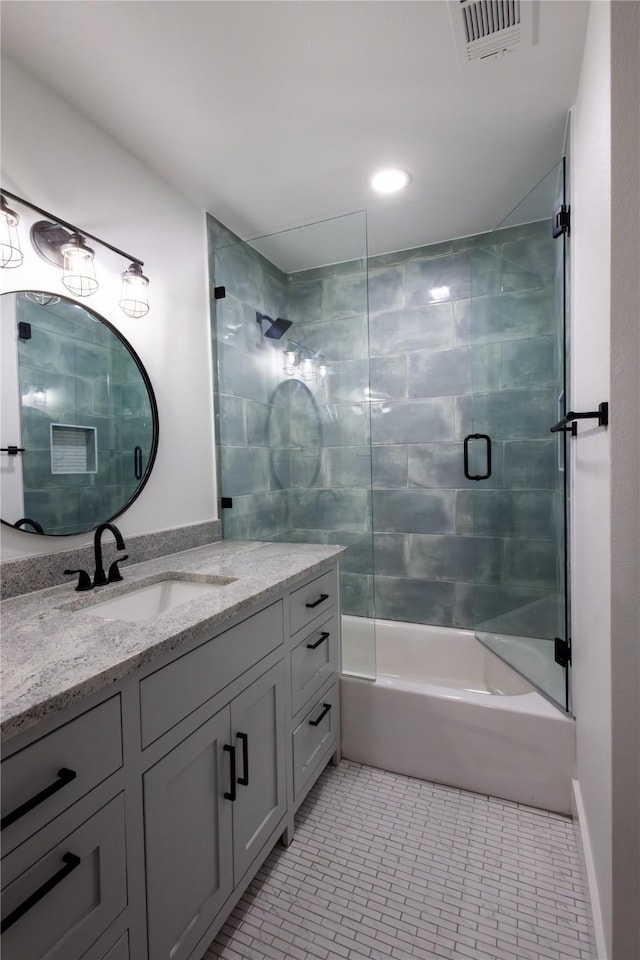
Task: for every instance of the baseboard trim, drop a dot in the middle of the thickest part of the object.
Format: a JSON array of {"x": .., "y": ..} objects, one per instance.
[{"x": 587, "y": 853}]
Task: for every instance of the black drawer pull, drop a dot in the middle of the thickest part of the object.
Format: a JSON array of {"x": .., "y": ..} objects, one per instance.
[
  {"x": 325, "y": 711},
  {"x": 244, "y": 779},
  {"x": 313, "y": 646},
  {"x": 231, "y": 794},
  {"x": 71, "y": 861},
  {"x": 321, "y": 599},
  {"x": 65, "y": 776}
]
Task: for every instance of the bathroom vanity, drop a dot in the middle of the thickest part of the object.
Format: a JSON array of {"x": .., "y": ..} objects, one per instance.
[{"x": 149, "y": 766}]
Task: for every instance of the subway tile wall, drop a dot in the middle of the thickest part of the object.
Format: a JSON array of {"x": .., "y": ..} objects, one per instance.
[{"x": 370, "y": 454}]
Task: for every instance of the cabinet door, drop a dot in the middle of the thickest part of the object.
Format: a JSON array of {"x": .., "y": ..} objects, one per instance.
[
  {"x": 188, "y": 839},
  {"x": 258, "y": 730}
]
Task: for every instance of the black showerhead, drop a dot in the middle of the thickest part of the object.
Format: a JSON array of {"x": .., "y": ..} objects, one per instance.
[{"x": 277, "y": 328}]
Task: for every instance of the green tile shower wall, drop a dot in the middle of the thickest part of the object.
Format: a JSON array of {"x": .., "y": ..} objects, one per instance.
[
  {"x": 86, "y": 377},
  {"x": 385, "y": 475}
]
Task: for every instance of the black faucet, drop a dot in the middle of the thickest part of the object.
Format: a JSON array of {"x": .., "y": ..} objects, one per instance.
[{"x": 99, "y": 578}]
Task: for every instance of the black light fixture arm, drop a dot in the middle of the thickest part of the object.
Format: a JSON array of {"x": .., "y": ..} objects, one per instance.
[
  {"x": 601, "y": 415},
  {"x": 70, "y": 226}
]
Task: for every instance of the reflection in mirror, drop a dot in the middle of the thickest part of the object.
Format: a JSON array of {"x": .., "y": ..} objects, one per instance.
[{"x": 79, "y": 406}]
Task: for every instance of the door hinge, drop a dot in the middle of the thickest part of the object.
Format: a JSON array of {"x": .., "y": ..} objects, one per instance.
[
  {"x": 562, "y": 652},
  {"x": 24, "y": 330},
  {"x": 561, "y": 222},
  {"x": 219, "y": 293},
  {"x": 226, "y": 503}
]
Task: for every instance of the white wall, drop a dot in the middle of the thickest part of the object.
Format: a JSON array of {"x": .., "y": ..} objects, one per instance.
[
  {"x": 625, "y": 476},
  {"x": 606, "y": 467},
  {"x": 61, "y": 161},
  {"x": 590, "y": 467}
]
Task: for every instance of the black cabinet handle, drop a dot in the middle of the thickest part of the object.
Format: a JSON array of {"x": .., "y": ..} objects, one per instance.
[
  {"x": 313, "y": 646},
  {"x": 325, "y": 711},
  {"x": 244, "y": 779},
  {"x": 137, "y": 462},
  {"x": 321, "y": 599},
  {"x": 71, "y": 861},
  {"x": 477, "y": 436},
  {"x": 65, "y": 776},
  {"x": 231, "y": 794}
]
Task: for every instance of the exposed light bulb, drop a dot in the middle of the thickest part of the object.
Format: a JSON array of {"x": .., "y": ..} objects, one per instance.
[
  {"x": 78, "y": 272},
  {"x": 134, "y": 297},
  {"x": 10, "y": 251}
]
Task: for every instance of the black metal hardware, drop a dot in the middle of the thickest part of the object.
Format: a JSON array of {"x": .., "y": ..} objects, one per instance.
[
  {"x": 226, "y": 503},
  {"x": 321, "y": 599},
  {"x": 477, "y": 436},
  {"x": 601, "y": 415},
  {"x": 12, "y": 450},
  {"x": 561, "y": 221},
  {"x": 114, "y": 574},
  {"x": 137, "y": 462},
  {"x": 99, "y": 578},
  {"x": 231, "y": 794},
  {"x": 84, "y": 580},
  {"x": 28, "y": 522},
  {"x": 325, "y": 711},
  {"x": 313, "y": 646},
  {"x": 219, "y": 293},
  {"x": 244, "y": 779},
  {"x": 71, "y": 861},
  {"x": 70, "y": 226},
  {"x": 65, "y": 776},
  {"x": 562, "y": 651},
  {"x": 24, "y": 330}
]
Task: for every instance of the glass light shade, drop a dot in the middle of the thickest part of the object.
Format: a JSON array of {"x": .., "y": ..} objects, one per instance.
[
  {"x": 10, "y": 251},
  {"x": 42, "y": 299},
  {"x": 134, "y": 297},
  {"x": 78, "y": 272}
]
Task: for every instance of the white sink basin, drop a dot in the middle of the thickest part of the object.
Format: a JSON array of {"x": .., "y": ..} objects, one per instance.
[{"x": 153, "y": 599}]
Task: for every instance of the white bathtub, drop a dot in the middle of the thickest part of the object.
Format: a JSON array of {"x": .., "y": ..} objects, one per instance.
[{"x": 444, "y": 708}]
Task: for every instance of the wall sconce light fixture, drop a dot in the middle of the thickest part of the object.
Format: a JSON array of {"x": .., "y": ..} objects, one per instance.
[
  {"x": 301, "y": 362},
  {"x": 63, "y": 245},
  {"x": 10, "y": 251}
]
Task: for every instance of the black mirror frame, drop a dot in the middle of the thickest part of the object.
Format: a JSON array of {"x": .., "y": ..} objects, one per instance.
[{"x": 154, "y": 416}]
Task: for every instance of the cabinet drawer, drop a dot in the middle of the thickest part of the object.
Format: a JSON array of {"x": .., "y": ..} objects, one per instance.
[
  {"x": 175, "y": 691},
  {"x": 313, "y": 599},
  {"x": 313, "y": 661},
  {"x": 34, "y": 787},
  {"x": 70, "y": 894},
  {"x": 311, "y": 738}
]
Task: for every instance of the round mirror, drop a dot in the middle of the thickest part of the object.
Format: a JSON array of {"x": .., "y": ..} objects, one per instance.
[{"x": 79, "y": 429}]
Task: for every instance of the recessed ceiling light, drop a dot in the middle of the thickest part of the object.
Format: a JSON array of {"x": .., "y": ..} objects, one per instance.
[{"x": 390, "y": 181}]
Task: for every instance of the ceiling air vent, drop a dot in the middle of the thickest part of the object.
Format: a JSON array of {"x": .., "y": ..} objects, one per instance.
[{"x": 489, "y": 28}]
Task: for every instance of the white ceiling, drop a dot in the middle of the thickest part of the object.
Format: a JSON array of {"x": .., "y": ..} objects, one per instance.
[{"x": 275, "y": 114}]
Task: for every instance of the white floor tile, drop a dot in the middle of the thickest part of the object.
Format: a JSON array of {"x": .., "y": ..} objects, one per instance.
[{"x": 390, "y": 867}]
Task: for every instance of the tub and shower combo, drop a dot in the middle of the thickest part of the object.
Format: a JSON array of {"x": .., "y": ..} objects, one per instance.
[
  {"x": 405, "y": 412},
  {"x": 443, "y": 707}
]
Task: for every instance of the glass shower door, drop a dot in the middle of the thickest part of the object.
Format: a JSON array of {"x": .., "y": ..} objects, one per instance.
[
  {"x": 515, "y": 465},
  {"x": 290, "y": 341}
]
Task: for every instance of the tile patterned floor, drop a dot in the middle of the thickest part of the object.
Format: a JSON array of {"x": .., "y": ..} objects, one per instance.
[{"x": 385, "y": 867}]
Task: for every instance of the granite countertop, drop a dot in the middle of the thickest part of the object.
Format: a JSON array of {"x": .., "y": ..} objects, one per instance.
[{"x": 52, "y": 657}]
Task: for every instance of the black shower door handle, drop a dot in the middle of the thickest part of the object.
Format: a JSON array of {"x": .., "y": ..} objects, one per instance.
[
  {"x": 137, "y": 462},
  {"x": 477, "y": 436}
]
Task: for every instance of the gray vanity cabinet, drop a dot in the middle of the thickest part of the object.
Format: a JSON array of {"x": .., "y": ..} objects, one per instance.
[
  {"x": 138, "y": 816},
  {"x": 258, "y": 733},
  {"x": 210, "y": 805},
  {"x": 188, "y": 839}
]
